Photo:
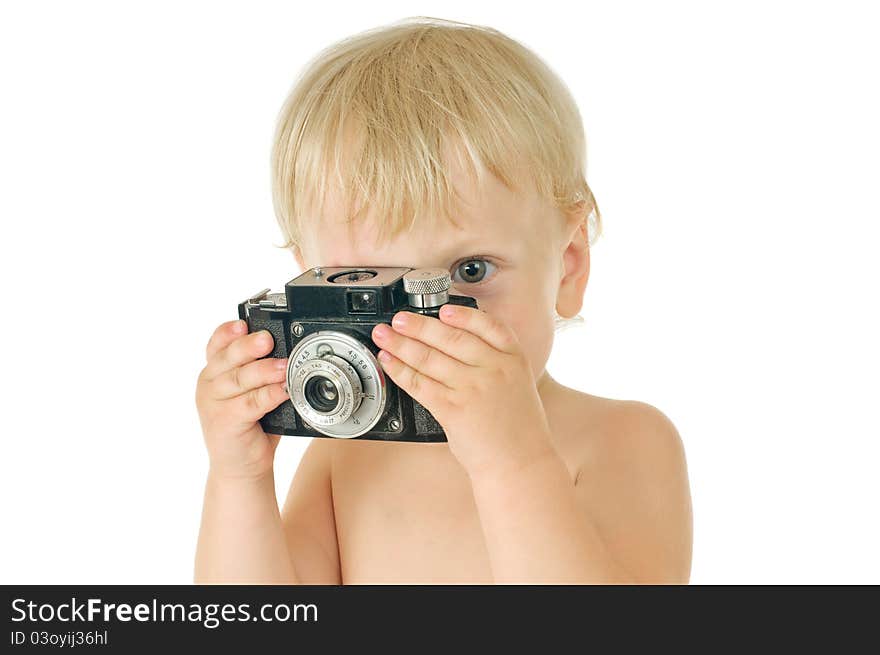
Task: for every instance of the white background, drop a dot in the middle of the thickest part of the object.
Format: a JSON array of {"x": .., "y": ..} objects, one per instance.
[{"x": 733, "y": 150}]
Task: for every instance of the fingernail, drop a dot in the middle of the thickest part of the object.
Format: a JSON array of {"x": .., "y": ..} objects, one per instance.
[
  {"x": 239, "y": 326},
  {"x": 281, "y": 363}
]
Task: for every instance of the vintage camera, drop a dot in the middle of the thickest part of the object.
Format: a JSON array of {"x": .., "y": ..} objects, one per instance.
[{"x": 323, "y": 323}]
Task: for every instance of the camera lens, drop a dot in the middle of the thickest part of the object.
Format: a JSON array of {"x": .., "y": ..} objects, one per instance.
[
  {"x": 321, "y": 393},
  {"x": 336, "y": 385}
]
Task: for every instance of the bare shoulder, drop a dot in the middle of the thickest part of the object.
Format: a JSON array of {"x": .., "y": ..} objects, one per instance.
[
  {"x": 608, "y": 430},
  {"x": 636, "y": 432},
  {"x": 632, "y": 479}
]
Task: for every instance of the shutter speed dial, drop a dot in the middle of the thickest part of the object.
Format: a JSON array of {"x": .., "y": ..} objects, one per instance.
[{"x": 427, "y": 287}]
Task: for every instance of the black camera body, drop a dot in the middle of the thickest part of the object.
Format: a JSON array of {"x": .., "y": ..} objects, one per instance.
[{"x": 322, "y": 323}]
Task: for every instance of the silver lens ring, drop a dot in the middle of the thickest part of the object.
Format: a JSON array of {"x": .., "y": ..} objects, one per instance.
[
  {"x": 346, "y": 362},
  {"x": 344, "y": 379}
]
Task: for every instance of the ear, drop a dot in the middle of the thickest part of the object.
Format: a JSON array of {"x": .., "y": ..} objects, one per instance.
[
  {"x": 575, "y": 262},
  {"x": 297, "y": 254}
]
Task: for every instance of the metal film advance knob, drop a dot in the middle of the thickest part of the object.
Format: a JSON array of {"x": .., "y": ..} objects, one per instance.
[{"x": 427, "y": 287}]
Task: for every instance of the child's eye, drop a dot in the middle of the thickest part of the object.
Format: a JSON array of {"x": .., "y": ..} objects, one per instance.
[{"x": 472, "y": 271}]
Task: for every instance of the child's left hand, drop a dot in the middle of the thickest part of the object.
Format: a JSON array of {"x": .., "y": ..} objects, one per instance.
[{"x": 469, "y": 370}]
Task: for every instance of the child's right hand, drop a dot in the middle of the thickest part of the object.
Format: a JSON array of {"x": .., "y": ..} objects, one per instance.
[{"x": 233, "y": 392}]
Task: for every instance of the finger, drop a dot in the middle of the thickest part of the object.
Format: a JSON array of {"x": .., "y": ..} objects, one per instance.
[
  {"x": 252, "y": 406},
  {"x": 223, "y": 336},
  {"x": 427, "y": 391},
  {"x": 242, "y": 379},
  {"x": 241, "y": 351},
  {"x": 458, "y": 344},
  {"x": 420, "y": 356},
  {"x": 483, "y": 325}
]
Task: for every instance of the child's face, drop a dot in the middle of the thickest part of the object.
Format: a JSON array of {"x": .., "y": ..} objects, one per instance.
[{"x": 510, "y": 254}]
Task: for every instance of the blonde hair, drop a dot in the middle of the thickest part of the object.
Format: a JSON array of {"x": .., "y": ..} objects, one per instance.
[{"x": 394, "y": 96}]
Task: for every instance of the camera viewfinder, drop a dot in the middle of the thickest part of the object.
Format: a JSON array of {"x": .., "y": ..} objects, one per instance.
[{"x": 362, "y": 301}]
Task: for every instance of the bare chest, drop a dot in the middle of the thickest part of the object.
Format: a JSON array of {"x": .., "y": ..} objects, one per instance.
[{"x": 406, "y": 513}]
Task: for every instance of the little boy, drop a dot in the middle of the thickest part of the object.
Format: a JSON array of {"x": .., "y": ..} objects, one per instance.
[{"x": 430, "y": 143}]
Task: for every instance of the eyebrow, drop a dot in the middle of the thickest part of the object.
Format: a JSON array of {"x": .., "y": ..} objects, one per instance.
[
  {"x": 454, "y": 251},
  {"x": 470, "y": 246}
]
